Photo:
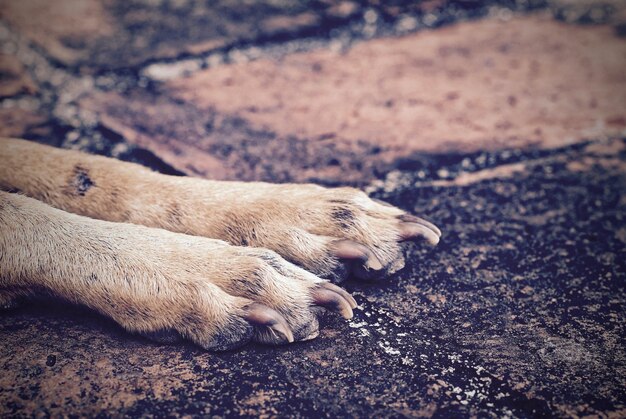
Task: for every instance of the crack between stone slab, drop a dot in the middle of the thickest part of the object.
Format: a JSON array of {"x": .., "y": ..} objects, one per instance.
[
  {"x": 432, "y": 170},
  {"x": 343, "y": 38},
  {"x": 353, "y": 30}
]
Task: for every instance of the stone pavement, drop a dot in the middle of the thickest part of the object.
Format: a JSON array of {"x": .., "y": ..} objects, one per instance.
[{"x": 505, "y": 122}]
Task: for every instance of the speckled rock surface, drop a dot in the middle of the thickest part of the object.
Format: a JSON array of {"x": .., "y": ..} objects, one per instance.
[
  {"x": 101, "y": 35},
  {"x": 336, "y": 116},
  {"x": 520, "y": 311}
]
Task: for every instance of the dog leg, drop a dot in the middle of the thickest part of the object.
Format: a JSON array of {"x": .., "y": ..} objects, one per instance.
[
  {"x": 159, "y": 283},
  {"x": 330, "y": 232}
]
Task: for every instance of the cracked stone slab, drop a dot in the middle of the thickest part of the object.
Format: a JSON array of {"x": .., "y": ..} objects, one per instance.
[
  {"x": 334, "y": 117},
  {"x": 96, "y": 35},
  {"x": 101, "y": 35},
  {"x": 214, "y": 145},
  {"x": 519, "y": 311},
  {"x": 476, "y": 85},
  {"x": 14, "y": 78},
  {"x": 111, "y": 34}
]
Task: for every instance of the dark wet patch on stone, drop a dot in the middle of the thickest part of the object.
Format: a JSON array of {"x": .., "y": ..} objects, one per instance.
[
  {"x": 239, "y": 151},
  {"x": 584, "y": 12},
  {"x": 527, "y": 280},
  {"x": 433, "y": 166}
]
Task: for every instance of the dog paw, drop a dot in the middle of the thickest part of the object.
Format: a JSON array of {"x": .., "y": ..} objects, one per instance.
[
  {"x": 280, "y": 289},
  {"x": 333, "y": 233},
  {"x": 167, "y": 286},
  {"x": 160, "y": 284}
]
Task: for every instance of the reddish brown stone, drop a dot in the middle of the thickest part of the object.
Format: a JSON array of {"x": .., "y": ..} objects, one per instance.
[
  {"x": 205, "y": 143},
  {"x": 112, "y": 34},
  {"x": 14, "y": 79},
  {"x": 326, "y": 117},
  {"x": 65, "y": 30},
  {"x": 19, "y": 123},
  {"x": 478, "y": 85},
  {"x": 172, "y": 150}
]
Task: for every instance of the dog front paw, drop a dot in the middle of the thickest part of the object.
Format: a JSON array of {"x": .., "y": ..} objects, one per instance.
[
  {"x": 333, "y": 233},
  {"x": 161, "y": 284},
  {"x": 166, "y": 286}
]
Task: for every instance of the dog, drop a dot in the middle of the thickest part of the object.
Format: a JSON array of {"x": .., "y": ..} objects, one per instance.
[{"x": 215, "y": 262}]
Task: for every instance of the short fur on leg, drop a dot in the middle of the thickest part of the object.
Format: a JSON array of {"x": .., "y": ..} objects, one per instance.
[
  {"x": 330, "y": 232},
  {"x": 154, "y": 282}
]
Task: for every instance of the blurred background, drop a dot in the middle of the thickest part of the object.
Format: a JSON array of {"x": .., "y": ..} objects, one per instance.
[{"x": 502, "y": 121}]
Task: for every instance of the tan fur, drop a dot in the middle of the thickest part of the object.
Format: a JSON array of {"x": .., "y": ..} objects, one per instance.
[{"x": 150, "y": 280}]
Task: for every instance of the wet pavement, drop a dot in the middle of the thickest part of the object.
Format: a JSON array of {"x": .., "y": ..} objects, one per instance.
[{"x": 504, "y": 122}]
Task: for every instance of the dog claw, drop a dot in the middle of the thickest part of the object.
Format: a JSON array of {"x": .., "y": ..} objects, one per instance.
[
  {"x": 260, "y": 315},
  {"x": 410, "y": 231},
  {"x": 371, "y": 267},
  {"x": 333, "y": 301},
  {"x": 409, "y": 218},
  {"x": 348, "y": 249},
  {"x": 345, "y": 294}
]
